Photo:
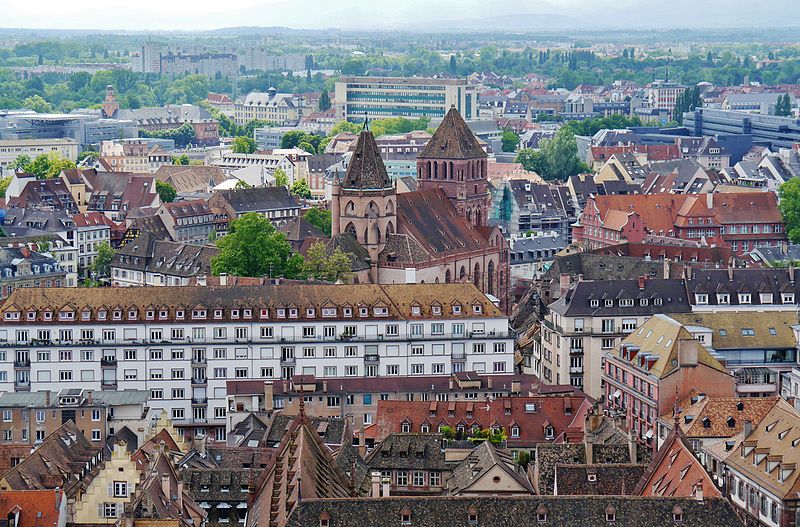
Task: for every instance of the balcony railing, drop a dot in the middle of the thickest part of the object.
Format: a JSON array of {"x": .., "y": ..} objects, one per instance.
[
  {"x": 199, "y": 400},
  {"x": 199, "y": 381},
  {"x": 108, "y": 361},
  {"x": 372, "y": 357},
  {"x": 22, "y": 363},
  {"x": 198, "y": 360}
]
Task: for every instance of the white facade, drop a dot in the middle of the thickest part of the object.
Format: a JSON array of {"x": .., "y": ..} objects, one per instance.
[
  {"x": 185, "y": 364},
  {"x": 90, "y": 238},
  {"x": 10, "y": 149}
]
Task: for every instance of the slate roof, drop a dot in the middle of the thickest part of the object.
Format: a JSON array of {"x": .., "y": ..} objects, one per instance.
[
  {"x": 366, "y": 170},
  {"x": 578, "y": 300},
  {"x": 484, "y": 459},
  {"x": 602, "y": 267},
  {"x": 298, "y": 229},
  {"x": 453, "y": 140},
  {"x": 329, "y": 429},
  {"x": 735, "y": 281},
  {"x": 259, "y": 199},
  {"x": 609, "y": 479},
  {"x": 147, "y": 253},
  {"x": 191, "y": 178},
  {"x": 408, "y": 452},
  {"x": 557, "y": 511}
]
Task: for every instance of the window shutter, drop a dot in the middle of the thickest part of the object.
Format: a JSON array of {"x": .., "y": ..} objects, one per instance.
[
  {"x": 99, "y": 510},
  {"x": 110, "y": 489}
]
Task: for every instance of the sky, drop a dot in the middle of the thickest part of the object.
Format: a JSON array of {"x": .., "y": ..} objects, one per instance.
[{"x": 425, "y": 15}]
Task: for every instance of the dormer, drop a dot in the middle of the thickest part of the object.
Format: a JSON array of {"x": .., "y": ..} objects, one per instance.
[
  {"x": 11, "y": 314},
  {"x": 30, "y": 315},
  {"x": 456, "y": 308},
  {"x": 47, "y": 314},
  {"x": 293, "y": 311},
  {"x": 416, "y": 309},
  {"x": 772, "y": 463},
  {"x": 363, "y": 310},
  {"x": 380, "y": 309},
  {"x": 219, "y": 312},
  {"x": 163, "y": 313},
  {"x": 150, "y": 313},
  {"x": 199, "y": 312},
  {"x": 311, "y": 311},
  {"x": 541, "y": 513},
  {"x": 477, "y": 308},
  {"x": 760, "y": 455},
  {"x": 133, "y": 313}
]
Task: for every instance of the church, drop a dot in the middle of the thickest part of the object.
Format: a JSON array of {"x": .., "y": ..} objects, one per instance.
[{"x": 436, "y": 234}]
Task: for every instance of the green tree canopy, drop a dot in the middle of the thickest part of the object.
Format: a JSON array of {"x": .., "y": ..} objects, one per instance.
[
  {"x": 244, "y": 145},
  {"x": 47, "y": 166},
  {"x": 532, "y": 160},
  {"x": 102, "y": 262},
  {"x": 37, "y": 103},
  {"x": 4, "y": 182},
  {"x": 510, "y": 141},
  {"x": 281, "y": 179},
  {"x": 182, "y": 159},
  {"x": 166, "y": 192},
  {"x": 253, "y": 247},
  {"x": 300, "y": 189},
  {"x": 324, "y": 100},
  {"x": 319, "y": 218},
  {"x": 789, "y": 194},
  {"x": 320, "y": 265}
]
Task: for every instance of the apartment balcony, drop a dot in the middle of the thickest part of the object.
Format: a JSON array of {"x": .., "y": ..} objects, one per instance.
[
  {"x": 22, "y": 363},
  {"x": 288, "y": 360},
  {"x": 576, "y": 351},
  {"x": 576, "y": 369},
  {"x": 22, "y": 386},
  {"x": 198, "y": 360},
  {"x": 196, "y": 381},
  {"x": 372, "y": 358},
  {"x": 459, "y": 356},
  {"x": 199, "y": 400},
  {"x": 110, "y": 362},
  {"x": 108, "y": 384}
]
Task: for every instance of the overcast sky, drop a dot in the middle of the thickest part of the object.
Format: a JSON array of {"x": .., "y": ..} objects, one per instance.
[{"x": 395, "y": 14}]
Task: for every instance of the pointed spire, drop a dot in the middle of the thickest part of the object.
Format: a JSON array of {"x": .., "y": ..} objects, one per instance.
[
  {"x": 453, "y": 140},
  {"x": 366, "y": 170}
]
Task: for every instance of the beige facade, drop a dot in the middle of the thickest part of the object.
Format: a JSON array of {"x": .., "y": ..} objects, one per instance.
[
  {"x": 106, "y": 495},
  {"x": 10, "y": 149}
]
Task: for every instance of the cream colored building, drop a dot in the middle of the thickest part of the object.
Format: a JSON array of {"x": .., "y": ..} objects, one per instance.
[
  {"x": 284, "y": 109},
  {"x": 10, "y": 149},
  {"x": 105, "y": 497}
]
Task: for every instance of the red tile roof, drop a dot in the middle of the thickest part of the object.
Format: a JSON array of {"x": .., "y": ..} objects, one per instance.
[
  {"x": 35, "y": 508},
  {"x": 533, "y": 415}
]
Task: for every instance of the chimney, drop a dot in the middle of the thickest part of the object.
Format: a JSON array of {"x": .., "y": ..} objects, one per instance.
[
  {"x": 89, "y": 397},
  {"x": 180, "y": 494},
  {"x": 450, "y": 383},
  {"x": 386, "y": 487},
  {"x": 516, "y": 386},
  {"x": 489, "y": 382},
  {"x": 268, "y": 399},
  {"x": 665, "y": 264},
  {"x": 791, "y": 273},
  {"x": 324, "y": 386},
  {"x": 632, "y": 454},
  {"x": 223, "y": 278},
  {"x": 748, "y": 428},
  {"x": 710, "y": 200},
  {"x": 165, "y": 485},
  {"x": 200, "y": 444},
  {"x": 687, "y": 353},
  {"x": 698, "y": 491},
  {"x": 162, "y": 447},
  {"x": 376, "y": 484},
  {"x": 642, "y": 281},
  {"x": 362, "y": 442},
  {"x": 47, "y": 398},
  {"x": 201, "y": 280},
  {"x": 563, "y": 284},
  {"x": 730, "y": 271}
]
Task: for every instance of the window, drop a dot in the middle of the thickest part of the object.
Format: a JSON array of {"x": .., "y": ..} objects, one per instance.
[
  {"x": 417, "y": 369},
  {"x": 241, "y": 373},
  {"x": 65, "y": 375},
  {"x": 499, "y": 347},
  {"x": 329, "y": 351},
  {"x": 266, "y": 332},
  {"x": 107, "y": 510},
  {"x": 329, "y": 371},
  {"x": 350, "y": 371},
  {"x": 120, "y": 489},
  {"x": 333, "y": 401},
  {"x": 608, "y": 344},
  {"x": 96, "y": 435},
  {"x": 178, "y": 393},
  {"x": 402, "y": 478},
  {"x": 392, "y": 330},
  {"x": 434, "y": 479},
  {"x": 267, "y": 373},
  {"x": 156, "y": 393},
  {"x": 608, "y": 325},
  {"x": 156, "y": 355},
  {"x": 418, "y": 479},
  {"x": 220, "y": 373},
  {"x": 392, "y": 369},
  {"x": 437, "y": 329},
  {"x": 417, "y": 350}
]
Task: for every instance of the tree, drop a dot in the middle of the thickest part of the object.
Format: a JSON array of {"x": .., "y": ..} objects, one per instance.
[
  {"x": 319, "y": 218},
  {"x": 281, "y": 179},
  {"x": 320, "y": 265},
  {"x": 561, "y": 156},
  {"x": 292, "y": 139},
  {"x": 244, "y": 145},
  {"x": 324, "y": 100},
  {"x": 102, "y": 262},
  {"x": 253, "y": 247},
  {"x": 344, "y": 126},
  {"x": 182, "y": 159},
  {"x": 47, "y": 166},
  {"x": 783, "y": 106},
  {"x": 686, "y": 102},
  {"x": 532, "y": 160},
  {"x": 453, "y": 64},
  {"x": 4, "y": 182},
  {"x": 37, "y": 104},
  {"x": 21, "y": 162},
  {"x": 166, "y": 191},
  {"x": 242, "y": 185},
  {"x": 300, "y": 189},
  {"x": 90, "y": 154},
  {"x": 789, "y": 203},
  {"x": 510, "y": 141}
]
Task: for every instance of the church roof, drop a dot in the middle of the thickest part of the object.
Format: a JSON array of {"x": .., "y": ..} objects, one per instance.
[
  {"x": 453, "y": 140},
  {"x": 366, "y": 170}
]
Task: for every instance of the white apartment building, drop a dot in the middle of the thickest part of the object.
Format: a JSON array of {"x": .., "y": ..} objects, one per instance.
[
  {"x": 10, "y": 149},
  {"x": 413, "y": 97},
  {"x": 183, "y": 344},
  {"x": 593, "y": 318},
  {"x": 92, "y": 230}
]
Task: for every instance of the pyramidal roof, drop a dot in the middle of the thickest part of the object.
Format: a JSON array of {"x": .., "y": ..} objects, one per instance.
[
  {"x": 453, "y": 140},
  {"x": 366, "y": 170}
]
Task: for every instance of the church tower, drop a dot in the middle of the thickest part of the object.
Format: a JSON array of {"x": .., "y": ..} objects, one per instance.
[
  {"x": 110, "y": 105},
  {"x": 364, "y": 203},
  {"x": 454, "y": 161}
]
